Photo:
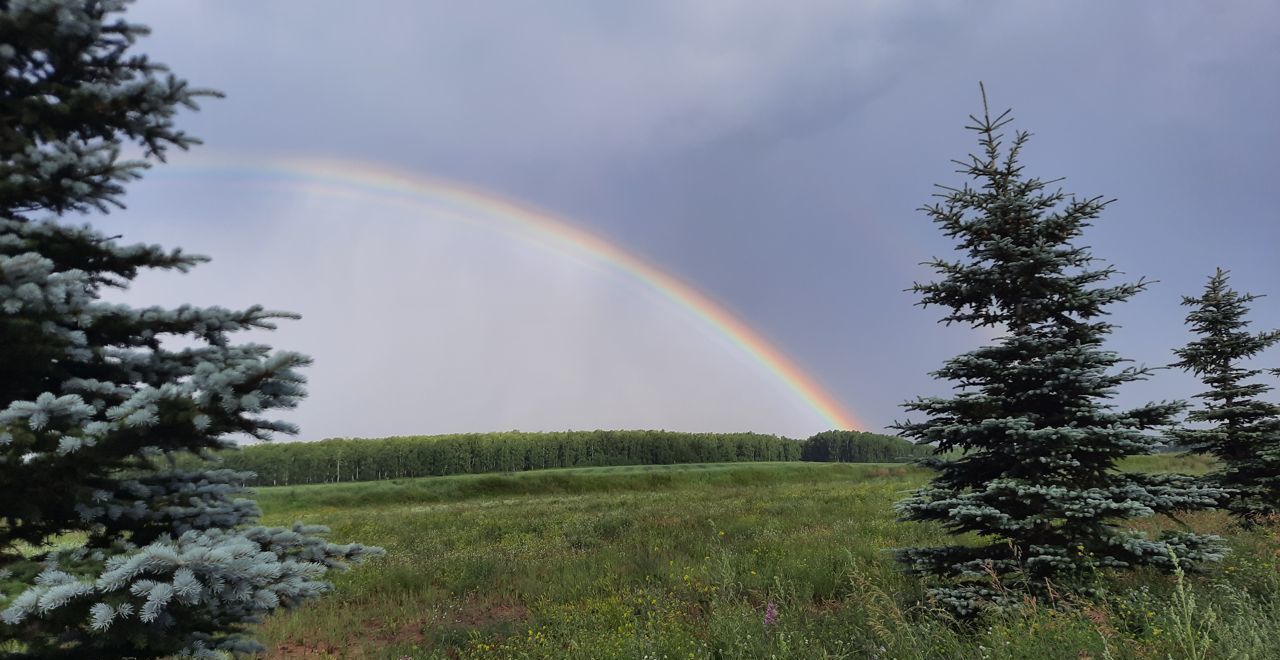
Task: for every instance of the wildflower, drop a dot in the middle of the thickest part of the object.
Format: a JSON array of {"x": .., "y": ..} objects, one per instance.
[{"x": 770, "y": 614}]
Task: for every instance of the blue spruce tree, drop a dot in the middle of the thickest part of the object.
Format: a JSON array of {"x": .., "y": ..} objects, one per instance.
[
  {"x": 1243, "y": 431},
  {"x": 150, "y": 560},
  {"x": 1031, "y": 443}
]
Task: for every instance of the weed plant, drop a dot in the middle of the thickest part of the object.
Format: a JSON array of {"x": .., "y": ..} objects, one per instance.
[{"x": 780, "y": 560}]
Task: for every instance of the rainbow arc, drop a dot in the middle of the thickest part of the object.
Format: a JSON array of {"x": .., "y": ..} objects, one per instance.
[{"x": 462, "y": 201}]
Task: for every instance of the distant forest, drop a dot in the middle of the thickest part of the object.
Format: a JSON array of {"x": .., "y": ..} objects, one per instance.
[{"x": 357, "y": 459}]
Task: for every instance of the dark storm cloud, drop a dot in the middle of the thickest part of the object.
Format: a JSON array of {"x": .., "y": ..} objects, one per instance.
[{"x": 773, "y": 153}]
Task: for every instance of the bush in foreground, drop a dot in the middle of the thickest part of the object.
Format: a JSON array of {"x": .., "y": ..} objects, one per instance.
[
  {"x": 102, "y": 553},
  {"x": 1035, "y": 479}
]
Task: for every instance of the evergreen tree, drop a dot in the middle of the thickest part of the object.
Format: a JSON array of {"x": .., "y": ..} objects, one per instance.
[
  {"x": 150, "y": 560},
  {"x": 1033, "y": 441},
  {"x": 1244, "y": 432}
]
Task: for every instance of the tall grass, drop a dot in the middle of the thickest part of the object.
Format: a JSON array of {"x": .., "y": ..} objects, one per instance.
[{"x": 783, "y": 560}]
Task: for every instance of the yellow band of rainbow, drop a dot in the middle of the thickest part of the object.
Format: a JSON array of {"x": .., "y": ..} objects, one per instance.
[{"x": 380, "y": 181}]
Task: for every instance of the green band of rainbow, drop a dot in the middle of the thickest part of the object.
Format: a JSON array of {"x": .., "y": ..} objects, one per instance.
[{"x": 378, "y": 181}]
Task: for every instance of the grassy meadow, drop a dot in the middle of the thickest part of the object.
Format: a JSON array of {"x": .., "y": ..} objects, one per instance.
[{"x": 761, "y": 560}]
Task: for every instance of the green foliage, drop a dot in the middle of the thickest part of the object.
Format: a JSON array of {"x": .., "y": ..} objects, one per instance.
[
  {"x": 1175, "y": 461},
  {"x": 356, "y": 459},
  {"x": 105, "y": 552},
  {"x": 1036, "y": 442},
  {"x": 542, "y": 565},
  {"x": 360, "y": 459},
  {"x": 1243, "y": 431},
  {"x": 860, "y": 447}
]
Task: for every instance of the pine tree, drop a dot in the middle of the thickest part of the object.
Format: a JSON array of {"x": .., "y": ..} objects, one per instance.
[
  {"x": 1033, "y": 443},
  {"x": 150, "y": 560},
  {"x": 1243, "y": 431}
]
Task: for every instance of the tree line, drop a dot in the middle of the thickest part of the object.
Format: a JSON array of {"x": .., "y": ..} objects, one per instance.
[
  {"x": 860, "y": 447},
  {"x": 360, "y": 459}
]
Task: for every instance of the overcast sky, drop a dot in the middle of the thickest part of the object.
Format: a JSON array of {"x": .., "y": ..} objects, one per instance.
[{"x": 772, "y": 154}]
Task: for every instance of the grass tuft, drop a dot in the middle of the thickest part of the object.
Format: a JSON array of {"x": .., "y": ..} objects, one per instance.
[{"x": 784, "y": 560}]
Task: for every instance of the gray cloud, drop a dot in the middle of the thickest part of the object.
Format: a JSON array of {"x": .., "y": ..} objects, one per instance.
[
  {"x": 422, "y": 322},
  {"x": 773, "y": 153}
]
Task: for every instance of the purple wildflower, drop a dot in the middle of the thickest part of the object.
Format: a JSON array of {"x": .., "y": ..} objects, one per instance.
[{"x": 770, "y": 614}]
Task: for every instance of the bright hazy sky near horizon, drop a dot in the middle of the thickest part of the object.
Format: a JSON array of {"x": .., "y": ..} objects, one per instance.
[{"x": 773, "y": 155}]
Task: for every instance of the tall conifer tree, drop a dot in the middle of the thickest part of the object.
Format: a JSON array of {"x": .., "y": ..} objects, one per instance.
[
  {"x": 1243, "y": 431},
  {"x": 1034, "y": 477},
  {"x": 92, "y": 400}
]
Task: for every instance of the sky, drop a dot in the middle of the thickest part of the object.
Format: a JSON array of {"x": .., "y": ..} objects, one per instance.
[{"x": 770, "y": 155}]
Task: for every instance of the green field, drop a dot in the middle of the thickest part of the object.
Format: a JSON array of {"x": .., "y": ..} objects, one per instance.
[{"x": 684, "y": 561}]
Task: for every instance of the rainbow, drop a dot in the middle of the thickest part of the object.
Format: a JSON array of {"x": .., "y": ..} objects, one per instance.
[{"x": 362, "y": 178}]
